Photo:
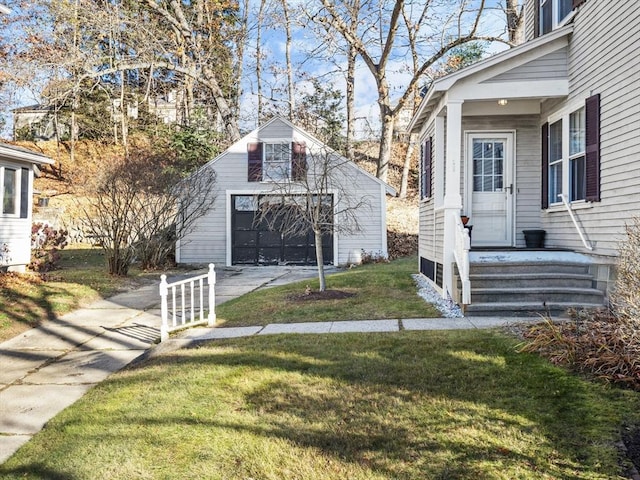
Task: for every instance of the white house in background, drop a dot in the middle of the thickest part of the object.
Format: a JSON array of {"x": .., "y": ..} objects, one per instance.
[
  {"x": 544, "y": 136},
  {"x": 228, "y": 235},
  {"x": 17, "y": 167}
]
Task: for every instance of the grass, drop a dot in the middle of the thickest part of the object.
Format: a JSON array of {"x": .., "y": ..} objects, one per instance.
[
  {"x": 383, "y": 290},
  {"x": 406, "y": 405},
  {"x": 26, "y": 300}
]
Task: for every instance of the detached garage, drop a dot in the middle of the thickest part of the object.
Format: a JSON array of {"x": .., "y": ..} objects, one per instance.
[{"x": 280, "y": 164}]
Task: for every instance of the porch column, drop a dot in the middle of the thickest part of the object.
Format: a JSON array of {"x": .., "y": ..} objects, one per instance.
[{"x": 452, "y": 197}]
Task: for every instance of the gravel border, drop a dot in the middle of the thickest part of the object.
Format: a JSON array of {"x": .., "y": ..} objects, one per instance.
[{"x": 448, "y": 307}]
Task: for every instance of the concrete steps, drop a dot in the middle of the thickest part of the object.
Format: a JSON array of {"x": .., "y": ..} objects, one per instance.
[{"x": 521, "y": 284}]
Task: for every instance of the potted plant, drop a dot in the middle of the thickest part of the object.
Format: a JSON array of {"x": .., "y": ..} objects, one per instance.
[{"x": 534, "y": 238}]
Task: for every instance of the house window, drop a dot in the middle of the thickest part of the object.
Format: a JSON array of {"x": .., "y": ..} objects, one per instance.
[
  {"x": 552, "y": 14},
  {"x": 9, "y": 191},
  {"x": 277, "y": 161},
  {"x": 567, "y": 165},
  {"x": 555, "y": 161},
  {"x": 577, "y": 161}
]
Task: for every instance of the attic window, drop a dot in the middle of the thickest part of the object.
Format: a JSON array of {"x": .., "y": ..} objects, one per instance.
[{"x": 277, "y": 161}]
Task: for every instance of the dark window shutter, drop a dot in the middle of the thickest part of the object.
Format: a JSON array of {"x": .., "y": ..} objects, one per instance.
[
  {"x": 536, "y": 18},
  {"x": 24, "y": 193},
  {"x": 592, "y": 144},
  {"x": 425, "y": 174},
  {"x": 254, "y": 163},
  {"x": 298, "y": 161},
  {"x": 544, "y": 193}
]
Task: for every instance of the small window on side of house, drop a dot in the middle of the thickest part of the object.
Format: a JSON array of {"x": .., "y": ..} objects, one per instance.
[{"x": 9, "y": 191}]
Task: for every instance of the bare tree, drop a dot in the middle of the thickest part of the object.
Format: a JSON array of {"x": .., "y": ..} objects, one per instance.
[
  {"x": 322, "y": 200},
  {"x": 187, "y": 45},
  {"x": 140, "y": 210},
  {"x": 441, "y": 27}
]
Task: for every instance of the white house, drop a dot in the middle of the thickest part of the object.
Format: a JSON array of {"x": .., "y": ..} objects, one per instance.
[
  {"x": 254, "y": 170},
  {"x": 17, "y": 167},
  {"x": 542, "y": 137}
]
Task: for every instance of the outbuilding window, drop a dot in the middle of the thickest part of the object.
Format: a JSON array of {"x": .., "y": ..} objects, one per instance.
[{"x": 276, "y": 161}]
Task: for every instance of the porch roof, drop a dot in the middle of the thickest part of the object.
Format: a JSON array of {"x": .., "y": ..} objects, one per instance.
[
  {"x": 513, "y": 73},
  {"x": 13, "y": 152}
]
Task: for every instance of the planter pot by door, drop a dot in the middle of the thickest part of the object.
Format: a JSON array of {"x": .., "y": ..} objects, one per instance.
[{"x": 534, "y": 238}]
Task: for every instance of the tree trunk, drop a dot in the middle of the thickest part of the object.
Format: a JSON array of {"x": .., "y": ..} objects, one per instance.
[
  {"x": 351, "y": 80},
  {"x": 404, "y": 182},
  {"x": 289, "y": 67},
  {"x": 320, "y": 260},
  {"x": 386, "y": 142}
]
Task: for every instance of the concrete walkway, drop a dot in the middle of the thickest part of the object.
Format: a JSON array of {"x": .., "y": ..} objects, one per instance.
[{"x": 48, "y": 368}]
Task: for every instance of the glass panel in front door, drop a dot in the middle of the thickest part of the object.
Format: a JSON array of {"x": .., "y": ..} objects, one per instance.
[{"x": 488, "y": 165}]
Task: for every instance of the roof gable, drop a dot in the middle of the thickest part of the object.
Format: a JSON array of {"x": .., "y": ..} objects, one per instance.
[
  {"x": 280, "y": 129},
  {"x": 540, "y": 54}
]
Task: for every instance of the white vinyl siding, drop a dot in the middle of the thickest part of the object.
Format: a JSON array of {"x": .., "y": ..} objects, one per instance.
[
  {"x": 603, "y": 60},
  {"x": 553, "y": 65}
]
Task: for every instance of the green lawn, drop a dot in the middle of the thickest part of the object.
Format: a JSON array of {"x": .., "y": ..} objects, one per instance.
[
  {"x": 406, "y": 405},
  {"x": 383, "y": 290}
]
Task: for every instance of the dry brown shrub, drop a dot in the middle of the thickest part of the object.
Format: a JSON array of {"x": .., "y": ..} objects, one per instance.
[
  {"x": 603, "y": 343},
  {"x": 595, "y": 343}
]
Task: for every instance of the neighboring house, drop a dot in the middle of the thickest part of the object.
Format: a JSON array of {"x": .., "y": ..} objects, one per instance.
[
  {"x": 544, "y": 136},
  {"x": 37, "y": 122},
  {"x": 17, "y": 167},
  {"x": 40, "y": 122},
  {"x": 255, "y": 169}
]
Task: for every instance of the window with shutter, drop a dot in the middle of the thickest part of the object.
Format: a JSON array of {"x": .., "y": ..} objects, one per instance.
[
  {"x": 571, "y": 155},
  {"x": 298, "y": 161},
  {"x": 592, "y": 148},
  {"x": 254, "y": 163},
  {"x": 425, "y": 170}
]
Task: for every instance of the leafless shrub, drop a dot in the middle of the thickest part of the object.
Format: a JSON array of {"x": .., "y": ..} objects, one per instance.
[{"x": 140, "y": 208}]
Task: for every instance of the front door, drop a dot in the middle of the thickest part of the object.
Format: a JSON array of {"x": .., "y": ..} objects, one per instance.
[{"x": 489, "y": 197}]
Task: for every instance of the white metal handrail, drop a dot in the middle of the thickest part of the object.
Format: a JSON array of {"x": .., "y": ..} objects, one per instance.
[
  {"x": 461, "y": 255},
  {"x": 187, "y": 302},
  {"x": 586, "y": 244}
]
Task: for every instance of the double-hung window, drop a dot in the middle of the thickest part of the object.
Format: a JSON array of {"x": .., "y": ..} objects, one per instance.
[
  {"x": 277, "y": 161},
  {"x": 577, "y": 160},
  {"x": 552, "y": 14},
  {"x": 567, "y": 162}
]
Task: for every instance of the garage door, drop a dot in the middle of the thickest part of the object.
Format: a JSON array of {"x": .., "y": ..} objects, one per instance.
[{"x": 256, "y": 243}]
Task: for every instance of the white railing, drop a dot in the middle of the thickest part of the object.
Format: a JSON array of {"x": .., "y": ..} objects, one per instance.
[
  {"x": 586, "y": 244},
  {"x": 461, "y": 255},
  {"x": 187, "y": 302}
]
